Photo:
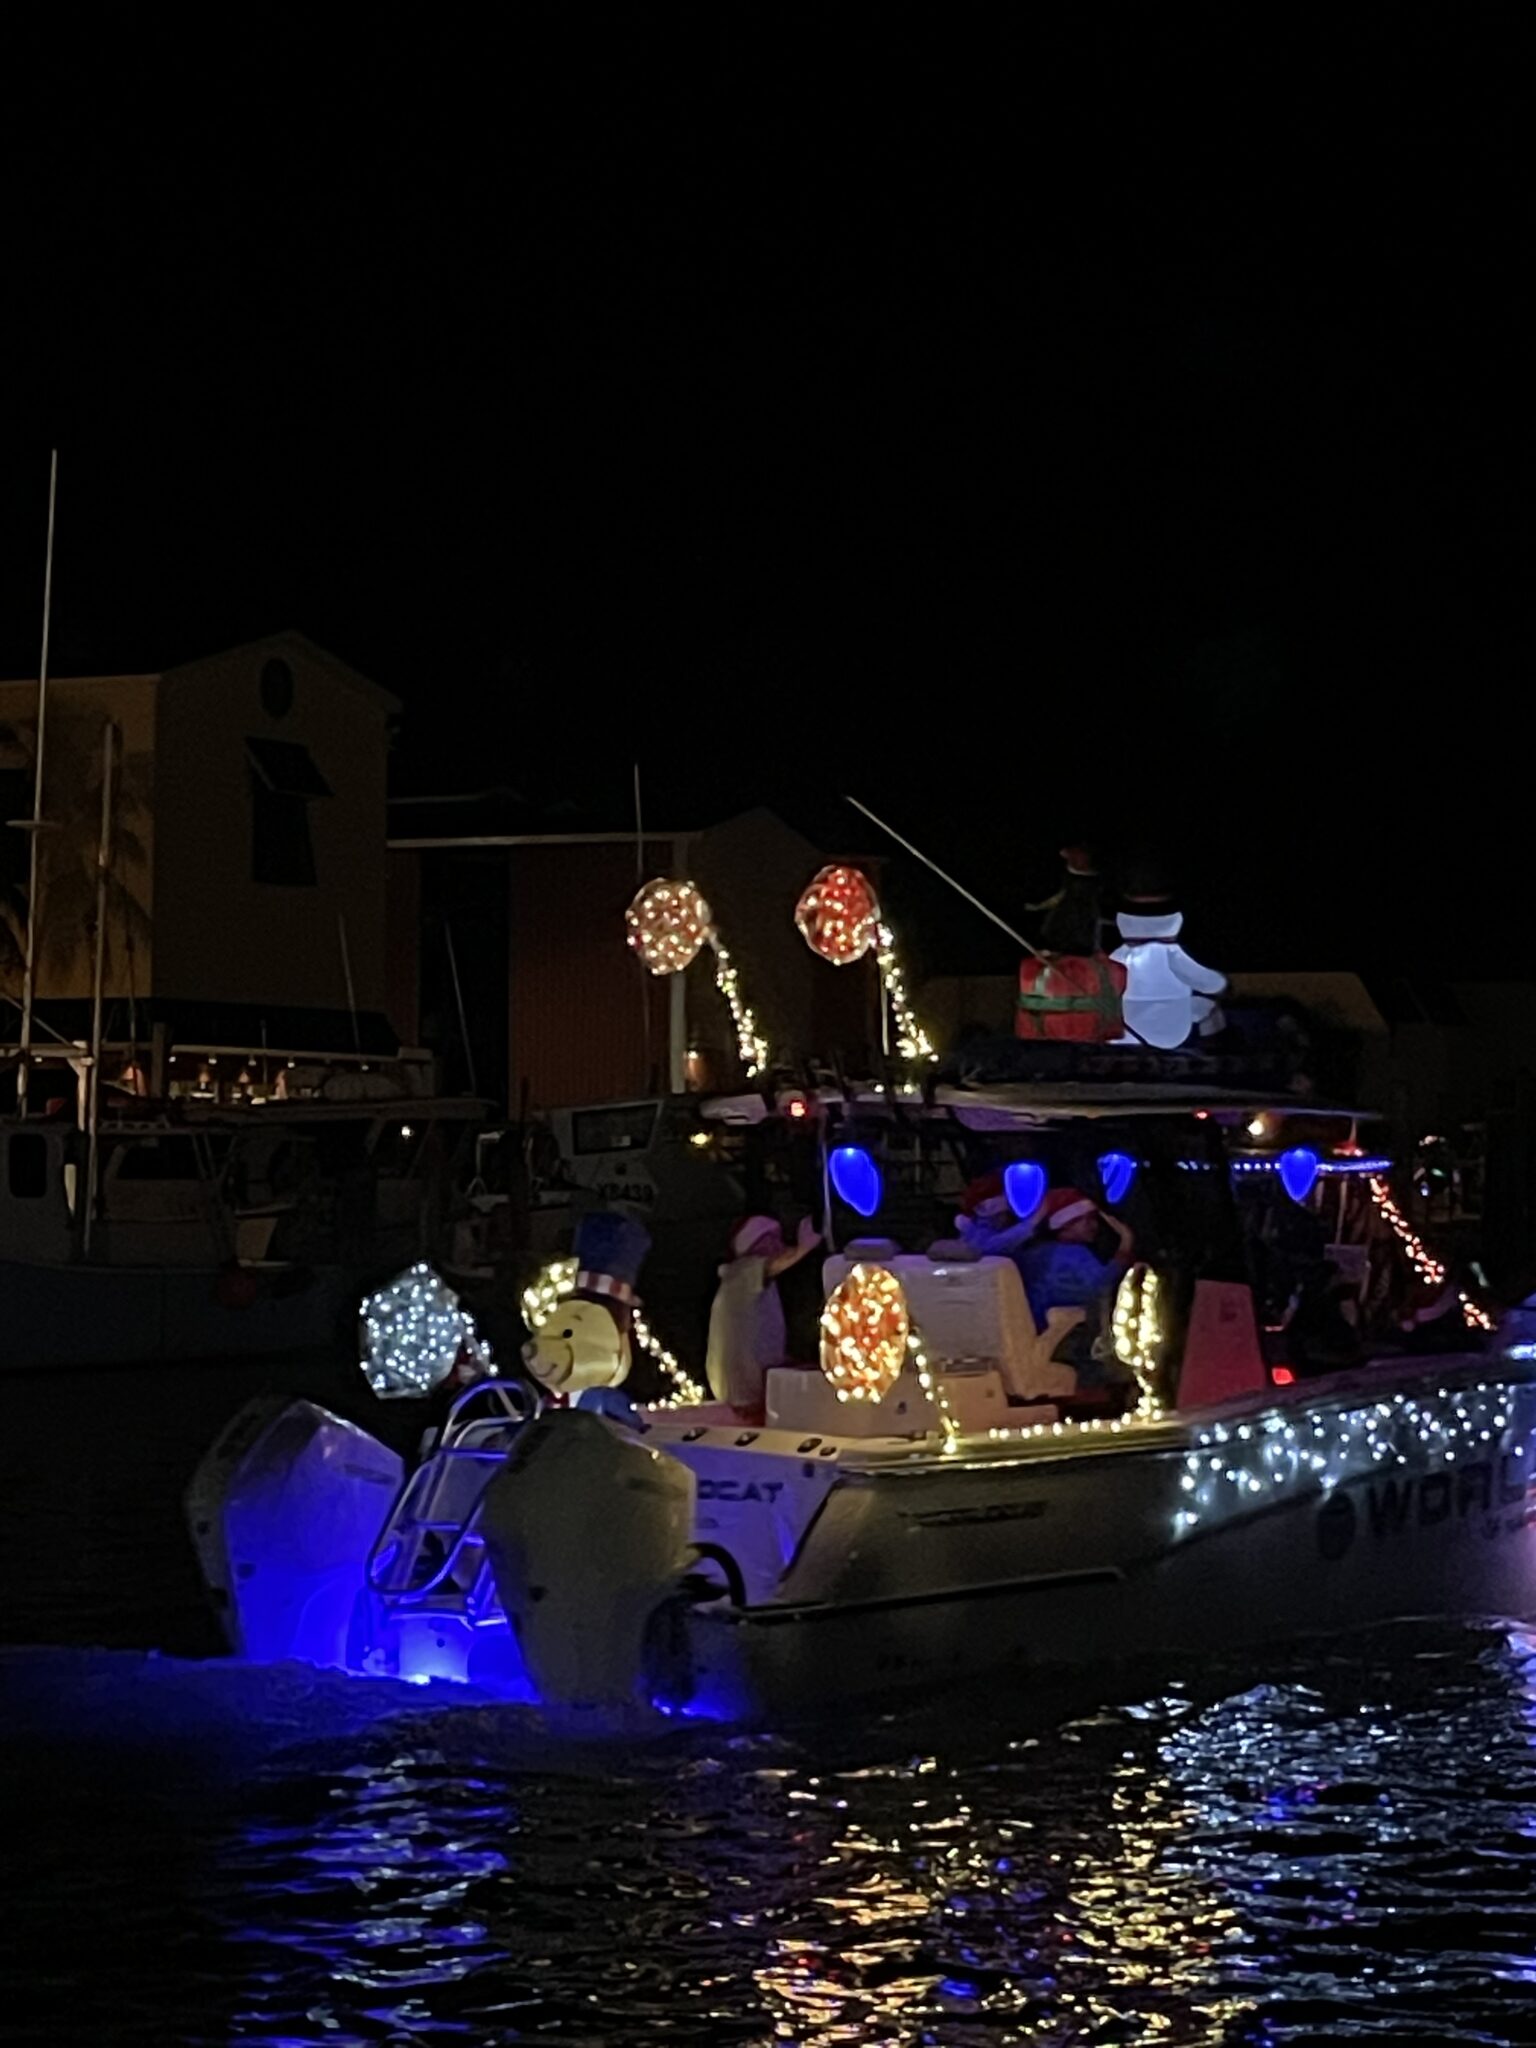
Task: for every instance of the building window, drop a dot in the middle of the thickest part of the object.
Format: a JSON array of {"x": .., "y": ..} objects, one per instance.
[
  {"x": 284, "y": 781},
  {"x": 26, "y": 1162}
]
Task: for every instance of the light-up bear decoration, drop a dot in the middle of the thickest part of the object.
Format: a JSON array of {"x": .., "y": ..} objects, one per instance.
[
  {"x": 585, "y": 1339},
  {"x": 1168, "y": 995}
]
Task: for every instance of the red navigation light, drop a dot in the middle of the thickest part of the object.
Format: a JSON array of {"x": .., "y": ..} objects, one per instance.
[{"x": 1282, "y": 1376}]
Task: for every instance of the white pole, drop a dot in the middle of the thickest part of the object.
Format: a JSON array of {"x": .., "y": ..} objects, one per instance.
[
  {"x": 1017, "y": 937},
  {"x": 346, "y": 968},
  {"x": 29, "y": 977},
  {"x": 98, "y": 971}
]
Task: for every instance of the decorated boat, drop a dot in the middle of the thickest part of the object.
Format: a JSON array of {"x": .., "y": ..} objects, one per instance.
[
  {"x": 1180, "y": 1373},
  {"x": 941, "y": 1496}
]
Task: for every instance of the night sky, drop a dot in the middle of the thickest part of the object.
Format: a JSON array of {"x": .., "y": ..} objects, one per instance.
[{"x": 1112, "y": 428}]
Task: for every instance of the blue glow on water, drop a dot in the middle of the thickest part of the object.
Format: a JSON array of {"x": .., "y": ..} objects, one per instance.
[
  {"x": 1117, "y": 1170},
  {"x": 856, "y": 1179},
  {"x": 1024, "y": 1183}
]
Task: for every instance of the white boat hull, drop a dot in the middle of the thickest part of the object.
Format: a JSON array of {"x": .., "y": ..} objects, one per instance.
[{"x": 1069, "y": 1550}]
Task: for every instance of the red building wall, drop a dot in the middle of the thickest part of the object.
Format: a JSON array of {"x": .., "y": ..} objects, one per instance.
[{"x": 579, "y": 1000}]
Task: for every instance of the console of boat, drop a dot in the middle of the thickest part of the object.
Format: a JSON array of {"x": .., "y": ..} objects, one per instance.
[{"x": 944, "y": 1496}]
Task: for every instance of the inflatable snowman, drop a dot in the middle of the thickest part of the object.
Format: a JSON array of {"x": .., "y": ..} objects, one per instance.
[{"x": 1167, "y": 994}]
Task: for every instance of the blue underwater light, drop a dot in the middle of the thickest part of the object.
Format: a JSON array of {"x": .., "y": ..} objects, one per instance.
[{"x": 856, "y": 1178}]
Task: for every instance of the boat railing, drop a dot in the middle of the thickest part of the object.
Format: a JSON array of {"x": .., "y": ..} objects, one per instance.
[{"x": 430, "y": 1549}]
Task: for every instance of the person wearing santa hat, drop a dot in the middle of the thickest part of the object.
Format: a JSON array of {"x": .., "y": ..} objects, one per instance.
[
  {"x": 987, "y": 1225},
  {"x": 1061, "y": 1268},
  {"x": 746, "y": 1318}
]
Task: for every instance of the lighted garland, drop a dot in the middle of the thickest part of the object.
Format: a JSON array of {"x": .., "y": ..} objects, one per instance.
[
  {"x": 864, "y": 1333},
  {"x": 750, "y": 1043},
  {"x": 1422, "y": 1260},
  {"x": 1137, "y": 1332},
  {"x": 667, "y": 923},
  {"x": 932, "y": 1384},
  {"x": 1234, "y": 1467},
  {"x": 413, "y": 1333},
  {"x": 558, "y": 1280},
  {"x": 912, "y": 1041}
]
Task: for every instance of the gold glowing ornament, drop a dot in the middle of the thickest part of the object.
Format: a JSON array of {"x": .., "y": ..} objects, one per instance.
[
  {"x": 838, "y": 915},
  {"x": 668, "y": 922},
  {"x": 864, "y": 1332}
]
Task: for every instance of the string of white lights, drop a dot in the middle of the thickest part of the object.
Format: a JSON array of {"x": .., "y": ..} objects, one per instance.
[
  {"x": 912, "y": 1041},
  {"x": 1317, "y": 1449},
  {"x": 750, "y": 1043}
]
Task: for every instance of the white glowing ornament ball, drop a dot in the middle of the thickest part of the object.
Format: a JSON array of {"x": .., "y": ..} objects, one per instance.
[
  {"x": 667, "y": 923},
  {"x": 413, "y": 1333}
]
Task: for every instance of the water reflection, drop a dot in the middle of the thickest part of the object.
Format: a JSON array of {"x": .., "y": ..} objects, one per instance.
[{"x": 1346, "y": 1851}]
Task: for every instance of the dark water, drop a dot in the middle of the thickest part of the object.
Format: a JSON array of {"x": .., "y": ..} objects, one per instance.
[{"x": 1329, "y": 1846}]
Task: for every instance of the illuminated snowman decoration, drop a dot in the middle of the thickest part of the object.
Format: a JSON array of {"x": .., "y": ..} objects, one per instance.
[{"x": 1167, "y": 994}]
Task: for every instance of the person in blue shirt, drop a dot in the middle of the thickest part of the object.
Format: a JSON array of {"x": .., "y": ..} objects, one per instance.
[{"x": 1061, "y": 1268}]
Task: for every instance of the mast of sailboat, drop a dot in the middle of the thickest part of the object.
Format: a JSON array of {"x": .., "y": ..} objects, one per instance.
[
  {"x": 35, "y": 824},
  {"x": 98, "y": 968}
]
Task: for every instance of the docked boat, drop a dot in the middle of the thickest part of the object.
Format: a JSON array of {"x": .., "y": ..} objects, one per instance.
[
  {"x": 945, "y": 1497},
  {"x": 216, "y": 1230}
]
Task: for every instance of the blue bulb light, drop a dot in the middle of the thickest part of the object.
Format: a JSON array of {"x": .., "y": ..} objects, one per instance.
[
  {"x": 856, "y": 1178},
  {"x": 1024, "y": 1184},
  {"x": 1298, "y": 1170},
  {"x": 1116, "y": 1172}
]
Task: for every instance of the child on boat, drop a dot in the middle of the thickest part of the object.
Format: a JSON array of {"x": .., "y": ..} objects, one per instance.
[{"x": 746, "y": 1319}]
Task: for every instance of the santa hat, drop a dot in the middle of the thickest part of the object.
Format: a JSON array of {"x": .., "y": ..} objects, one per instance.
[
  {"x": 610, "y": 1250},
  {"x": 989, "y": 1188},
  {"x": 1065, "y": 1205},
  {"x": 747, "y": 1234}
]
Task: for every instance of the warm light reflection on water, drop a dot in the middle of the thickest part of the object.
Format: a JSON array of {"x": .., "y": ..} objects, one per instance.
[{"x": 1337, "y": 1848}]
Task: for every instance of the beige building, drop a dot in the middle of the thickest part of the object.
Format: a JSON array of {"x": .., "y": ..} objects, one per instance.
[{"x": 246, "y": 902}]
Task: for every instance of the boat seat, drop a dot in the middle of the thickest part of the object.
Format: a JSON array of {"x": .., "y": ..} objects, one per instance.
[
  {"x": 977, "y": 1309},
  {"x": 803, "y": 1398}
]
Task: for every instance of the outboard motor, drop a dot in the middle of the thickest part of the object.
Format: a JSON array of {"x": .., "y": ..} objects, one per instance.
[
  {"x": 588, "y": 1533},
  {"x": 284, "y": 1511}
]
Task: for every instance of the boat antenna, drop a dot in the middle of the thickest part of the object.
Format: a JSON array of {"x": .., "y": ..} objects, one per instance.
[
  {"x": 975, "y": 901},
  {"x": 35, "y": 824},
  {"x": 651, "y": 1076},
  {"x": 458, "y": 997}
]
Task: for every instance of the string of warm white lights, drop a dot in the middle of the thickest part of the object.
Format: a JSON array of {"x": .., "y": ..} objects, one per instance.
[
  {"x": 932, "y": 1384},
  {"x": 751, "y": 1045},
  {"x": 912, "y": 1041},
  {"x": 1138, "y": 1333},
  {"x": 1318, "y": 1449},
  {"x": 558, "y": 1279},
  {"x": 689, "y": 1393},
  {"x": 1422, "y": 1260}
]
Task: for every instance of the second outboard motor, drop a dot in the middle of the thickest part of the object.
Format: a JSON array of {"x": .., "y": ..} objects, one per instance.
[
  {"x": 588, "y": 1532},
  {"x": 284, "y": 1511}
]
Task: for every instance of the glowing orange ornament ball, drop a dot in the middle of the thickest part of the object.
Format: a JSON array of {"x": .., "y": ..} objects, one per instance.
[{"x": 838, "y": 915}]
